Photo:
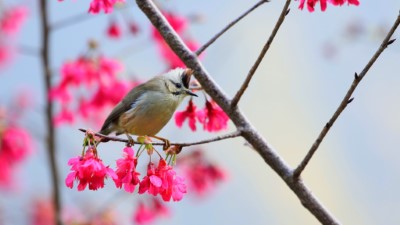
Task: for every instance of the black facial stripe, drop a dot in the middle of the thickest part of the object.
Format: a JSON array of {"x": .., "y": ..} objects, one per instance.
[
  {"x": 177, "y": 85},
  {"x": 176, "y": 93}
]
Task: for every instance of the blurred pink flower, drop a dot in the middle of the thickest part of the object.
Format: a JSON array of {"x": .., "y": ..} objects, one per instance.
[
  {"x": 43, "y": 212},
  {"x": 189, "y": 113},
  {"x": 126, "y": 171},
  {"x": 65, "y": 116},
  {"x": 146, "y": 214},
  {"x": 106, "y": 5},
  {"x": 98, "y": 76},
  {"x": 12, "y": 19},
  {"x": 88, "y": 170},
  {"x": 6, "y": 55},
  {"x": 213, "y": 117},
  {"x": 114, "y": 30},
  {"x": 15, "y": 146},
  {"x": 179, "y": 24},
  {"x": 5, "y": 172},
  {"x": 133, "y": 27},
  {"x": 323, "y": 3},
  {"x": 170, "y": 57},
  {"x": 202, "y": 175}
]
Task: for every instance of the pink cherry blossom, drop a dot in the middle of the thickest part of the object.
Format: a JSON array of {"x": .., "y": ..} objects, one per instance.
[
  {"x": 150, "y": 183},
  {"x": 12, "y": 19},
  {"x": 126, "y": 171},
  {"x": 213, "y": 117},
  {"x": 106, "y": 5},
  {"x": 88, "y": 170},
  {"x": 114, "y": 30},
  {"x": 189, "y": 113},
  {"x": 164, "y": 181}
]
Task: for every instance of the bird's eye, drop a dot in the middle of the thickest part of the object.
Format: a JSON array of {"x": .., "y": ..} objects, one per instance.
[{"x": 178, "y": 85}]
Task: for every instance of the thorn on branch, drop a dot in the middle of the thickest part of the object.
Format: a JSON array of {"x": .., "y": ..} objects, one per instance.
[
  {"x": 350, "y": 100},
  {"x": 287, "y": 12},
  {"x": 391, "y": 41},
  {"x": 327, "y": 125},
  {"x": 356, "y": 77}
]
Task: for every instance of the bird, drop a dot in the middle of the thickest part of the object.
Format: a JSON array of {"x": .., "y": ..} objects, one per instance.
[{"x": 148, "y": 107}]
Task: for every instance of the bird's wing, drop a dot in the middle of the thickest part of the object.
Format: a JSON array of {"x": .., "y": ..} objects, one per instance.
[{"x": 123, "y": 106}]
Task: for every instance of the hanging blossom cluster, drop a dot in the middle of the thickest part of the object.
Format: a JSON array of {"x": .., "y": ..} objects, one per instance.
[
  {"x": 160, "y": 180},
  {"x": 15, "y": 141},
  {"x": 11, "y": 21},
  {"x": 324, "y": 3},
  {"x": 212, "y": 117},
  {"x": 180, "y": 25},
  {"x": 96, "y": 78}
]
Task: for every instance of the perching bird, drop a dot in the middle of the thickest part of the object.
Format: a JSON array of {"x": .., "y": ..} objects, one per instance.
[{"x": 148, "y": 107}]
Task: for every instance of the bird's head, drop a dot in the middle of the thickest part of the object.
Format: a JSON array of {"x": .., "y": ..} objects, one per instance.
[{"x": 177, "y": 82}]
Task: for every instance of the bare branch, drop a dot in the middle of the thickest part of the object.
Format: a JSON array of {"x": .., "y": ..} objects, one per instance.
[
  {"x": 264, "y": 50},
  {"x": 266, "y": 151},
  {"x": 182, "y": 144},
  {"x": 51, "y": 135},
  {"x": 212, "y": 40},
  {"x": 347, "y": 98}
]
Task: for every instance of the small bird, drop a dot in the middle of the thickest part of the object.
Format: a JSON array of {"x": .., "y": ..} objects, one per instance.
[{"x": 148, "y": 107}]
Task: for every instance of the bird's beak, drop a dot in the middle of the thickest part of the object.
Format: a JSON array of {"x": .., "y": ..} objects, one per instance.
[
  {"x": 189, "y": 92},
  {"x": 186, "y": 77}
]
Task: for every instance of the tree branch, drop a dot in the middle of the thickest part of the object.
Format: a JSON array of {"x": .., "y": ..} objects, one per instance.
[
  {"x": 265, "y": 150},
  {"x": 264, "y": 50},
  {"x": 51, "y": 148},
  {"x": 347, "y": 98},
  {"x": 182, "y": 144},
  {"x": 212, "y": 40}
]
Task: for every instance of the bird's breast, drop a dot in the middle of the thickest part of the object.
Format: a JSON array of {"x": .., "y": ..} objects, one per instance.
[{"x": 149, "y": 114}]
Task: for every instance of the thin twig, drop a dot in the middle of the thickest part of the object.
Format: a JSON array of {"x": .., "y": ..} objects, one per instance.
[
  {"x": 264, "y": 50},
  {"x": 81, "y": 17},
  {"x": 347, "y": 99},
  {"x": 50, "y": 140},
  {"x": 266, "y": 151},
  {"x": 212, "y": 40},
  {"x": 28, "y": 50},
  {"x": 182, "y": 144},
  {"x": 71, "y": 21}
]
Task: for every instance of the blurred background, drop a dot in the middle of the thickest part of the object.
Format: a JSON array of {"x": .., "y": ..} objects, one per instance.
[{"x": 301, "y": 81}]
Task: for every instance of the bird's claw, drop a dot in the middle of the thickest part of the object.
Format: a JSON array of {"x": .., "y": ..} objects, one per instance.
[{"x": 166, "y": 144}]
